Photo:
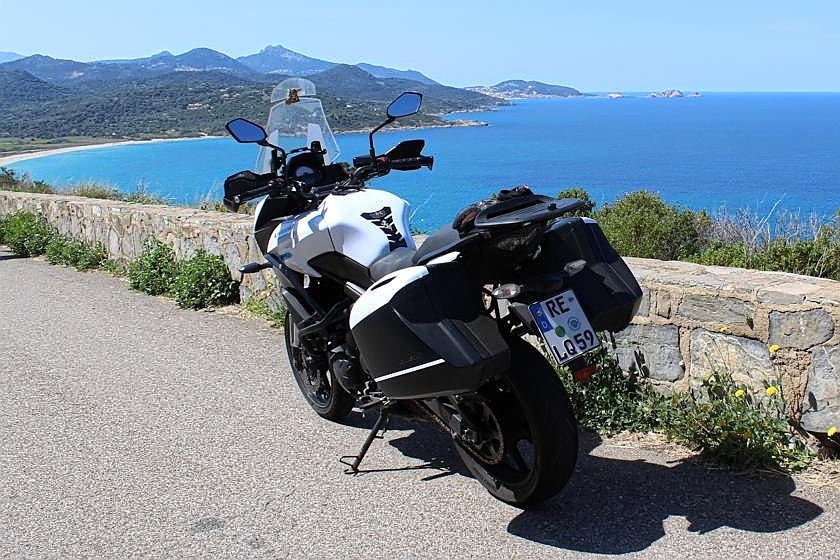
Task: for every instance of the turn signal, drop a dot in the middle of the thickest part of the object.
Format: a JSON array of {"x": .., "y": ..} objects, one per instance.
[
  {"x": 574, "y": 267},
  {"x": 507, "y": 291}
]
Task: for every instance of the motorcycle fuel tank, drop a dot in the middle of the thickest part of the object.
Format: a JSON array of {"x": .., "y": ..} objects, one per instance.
[{"x": 362, "y": 225}]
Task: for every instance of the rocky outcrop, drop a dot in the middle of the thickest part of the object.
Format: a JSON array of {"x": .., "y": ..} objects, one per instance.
[{"x": 667, "y": 93}]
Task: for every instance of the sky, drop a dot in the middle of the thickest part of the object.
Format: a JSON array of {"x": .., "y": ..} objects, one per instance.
[{"x": 592, "y": 45}]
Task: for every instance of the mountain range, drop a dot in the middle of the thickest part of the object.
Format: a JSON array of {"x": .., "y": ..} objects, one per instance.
[
  {"x": 272, "y": 60},
  {"x": 196, "y": 92},
  {"x": 9, "y": 56}
]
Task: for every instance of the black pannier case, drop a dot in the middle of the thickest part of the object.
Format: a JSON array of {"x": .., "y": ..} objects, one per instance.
[
  {"x": 606, "y": 288},
  {"x": 432, "y": 338}
]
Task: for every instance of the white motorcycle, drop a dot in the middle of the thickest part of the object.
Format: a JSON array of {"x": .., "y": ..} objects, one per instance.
[{"x": 374, "y": 322}]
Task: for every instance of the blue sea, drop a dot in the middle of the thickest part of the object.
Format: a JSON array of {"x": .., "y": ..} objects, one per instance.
[{"x": 763, "y": 152}]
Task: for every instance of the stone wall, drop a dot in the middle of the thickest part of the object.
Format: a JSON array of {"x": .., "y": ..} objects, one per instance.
[
  {"x": 694, "y": 320},
  {"x": 122, "y": 228},
  {"x": 763, "y": 327}
]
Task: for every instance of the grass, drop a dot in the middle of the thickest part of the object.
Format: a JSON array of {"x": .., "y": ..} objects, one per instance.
[{"x": 260, "y": 308}]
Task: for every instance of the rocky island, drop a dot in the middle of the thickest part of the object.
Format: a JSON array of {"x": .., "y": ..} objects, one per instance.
[
  {"x": 519, "y": 89},
  {"x": 667, "y": 93}
]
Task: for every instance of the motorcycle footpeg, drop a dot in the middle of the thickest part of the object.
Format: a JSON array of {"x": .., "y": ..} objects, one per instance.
[
  {"x": 367, "y": 402},
  {"x": 253, "y": 267}
]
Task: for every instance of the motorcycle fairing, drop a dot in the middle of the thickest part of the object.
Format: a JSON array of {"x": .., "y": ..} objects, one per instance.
[
  {"x": 339, "y": 225},
  {"x": 422, "y": 332}
]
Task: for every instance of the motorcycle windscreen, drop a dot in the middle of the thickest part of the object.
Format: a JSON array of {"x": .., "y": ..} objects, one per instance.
[
  {"x": 422, "y": 333},
  {"x": 297, "y": 121}
]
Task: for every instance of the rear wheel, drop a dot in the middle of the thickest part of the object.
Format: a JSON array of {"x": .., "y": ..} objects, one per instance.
[
  {"x": 314, "y": 378},
  {"x": 525, "y": 444}
]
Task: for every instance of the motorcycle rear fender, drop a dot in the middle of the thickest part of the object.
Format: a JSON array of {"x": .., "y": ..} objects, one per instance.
[{"x": 422, "y": 332}]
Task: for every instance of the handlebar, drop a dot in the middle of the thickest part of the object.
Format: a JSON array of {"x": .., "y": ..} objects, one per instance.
[
  {"x": 409, "y": 164},
  {"x": 247, "y": 185},
  {"x": 368, "y": 167}
]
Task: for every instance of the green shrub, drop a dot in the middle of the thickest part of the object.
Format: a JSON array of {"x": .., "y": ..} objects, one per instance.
[
  {"x": 26, "y": 233},
  {"x": 816, "y": 256},
  {"x": 8, "y": 178},
  {"x": 788, "y": 243},
  {"x": 641, "y": 225},
  {"x": 141, "y": 197},
  {"x": 729, "y": 425},
  {"x": 204, "y": 281},
  {"x": 94, "y": 190},
  {"x": 75, "y": 253},
  {"x": 9, "y": 181},
  {"x": 580, "y": 193},
  {"x": 154, "y": 271},
  {"x": 722, "y": 421},
  {"x": 611, "y": 401}
]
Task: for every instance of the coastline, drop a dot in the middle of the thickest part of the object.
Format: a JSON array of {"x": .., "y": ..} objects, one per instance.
[
  {"x": 46, "y": 152},
  {"x": 34, "y": 154}
]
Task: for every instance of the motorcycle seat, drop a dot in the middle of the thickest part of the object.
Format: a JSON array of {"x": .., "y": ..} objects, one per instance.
[
  {"x": 399, "y": 258},
  {"x": 438, "y": 243}
]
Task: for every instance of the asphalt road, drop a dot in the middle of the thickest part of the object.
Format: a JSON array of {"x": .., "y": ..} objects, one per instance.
[{"x": 130, "y": 428}]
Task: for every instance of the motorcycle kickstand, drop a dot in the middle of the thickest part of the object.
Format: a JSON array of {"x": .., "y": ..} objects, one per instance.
[{"x": 380, "y": 425}]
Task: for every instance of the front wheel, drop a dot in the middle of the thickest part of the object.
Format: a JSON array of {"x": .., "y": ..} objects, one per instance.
[
  {"x": 314, "y": 378},
  {"x": 526, "y": 441}
]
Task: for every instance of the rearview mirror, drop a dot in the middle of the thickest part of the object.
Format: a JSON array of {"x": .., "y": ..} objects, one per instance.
[
  {"x": 406, "y": 104},
  {"x": 246, "y": 132}
]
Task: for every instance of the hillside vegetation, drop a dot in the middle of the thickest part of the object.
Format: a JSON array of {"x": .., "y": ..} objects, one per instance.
[
  {"x": 641, "y": 224},
  {"x": 193, "y": 94}
]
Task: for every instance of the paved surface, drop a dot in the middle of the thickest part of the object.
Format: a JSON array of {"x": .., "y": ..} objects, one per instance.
[{"x": 131, "y": 428}]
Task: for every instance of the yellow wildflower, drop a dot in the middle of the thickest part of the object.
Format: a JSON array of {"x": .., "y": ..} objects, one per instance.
[
  {"x": 725, "y": 330},
  {"x": 740, "y": 393},
  {"x": 831, "y": 431},
  {"x": 771, "y": 390},
  {"x": 774, "y": 348}
]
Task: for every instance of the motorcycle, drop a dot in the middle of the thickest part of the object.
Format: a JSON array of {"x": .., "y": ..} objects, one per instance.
[{"x": 438, "y": 331}]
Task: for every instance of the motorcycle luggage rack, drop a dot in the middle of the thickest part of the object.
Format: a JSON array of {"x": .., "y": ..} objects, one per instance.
[{"x": 533, "y": 208}]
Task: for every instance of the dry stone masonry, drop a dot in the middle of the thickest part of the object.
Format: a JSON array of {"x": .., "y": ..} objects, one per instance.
[{"x": 763, "y": 327}]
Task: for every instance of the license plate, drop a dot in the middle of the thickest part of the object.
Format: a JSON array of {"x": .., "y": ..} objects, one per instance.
[{"x": 564, "y": 326}]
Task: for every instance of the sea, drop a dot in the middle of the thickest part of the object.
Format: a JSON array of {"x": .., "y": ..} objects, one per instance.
[{"x": 766, "y": 153}]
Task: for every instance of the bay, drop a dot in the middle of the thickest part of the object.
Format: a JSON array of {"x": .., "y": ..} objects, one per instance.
[{"x": 764, "y": 152}]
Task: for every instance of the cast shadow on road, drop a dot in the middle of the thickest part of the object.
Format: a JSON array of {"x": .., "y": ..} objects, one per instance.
[
  {"x": 423, "y": 441},
  {"x": 614, "y": 506}
]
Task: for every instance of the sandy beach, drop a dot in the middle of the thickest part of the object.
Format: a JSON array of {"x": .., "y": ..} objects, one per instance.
[{"x": 23, "y": 156}]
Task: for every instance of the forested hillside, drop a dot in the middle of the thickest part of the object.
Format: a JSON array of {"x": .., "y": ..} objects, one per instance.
[{"x": 189, "y": 95}]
